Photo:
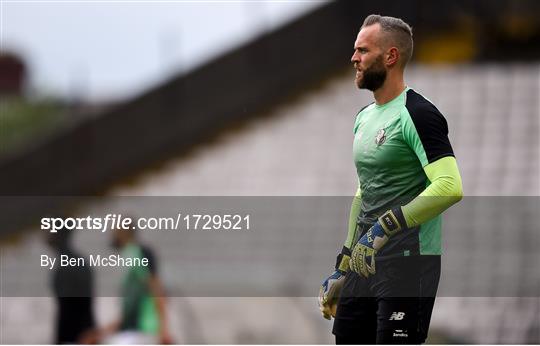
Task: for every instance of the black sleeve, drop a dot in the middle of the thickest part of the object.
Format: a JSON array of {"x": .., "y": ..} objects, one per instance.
[
  {"x": 152, "y": 262},
  {"x": 430, "y": 125}
]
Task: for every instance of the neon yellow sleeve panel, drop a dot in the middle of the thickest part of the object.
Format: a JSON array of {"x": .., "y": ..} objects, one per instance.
[
  {"x": 444, "y": 191},
  {"x": 355, "y": 210}
]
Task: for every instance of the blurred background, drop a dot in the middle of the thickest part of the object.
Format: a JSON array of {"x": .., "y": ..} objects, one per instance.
[{"x": 254, "y": 99}]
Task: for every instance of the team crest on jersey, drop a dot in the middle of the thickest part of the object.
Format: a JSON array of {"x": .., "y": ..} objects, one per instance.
[{"x": 381, "y": 137}]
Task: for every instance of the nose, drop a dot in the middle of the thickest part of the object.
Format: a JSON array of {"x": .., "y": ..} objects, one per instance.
[{"x": 355, "y": 58}]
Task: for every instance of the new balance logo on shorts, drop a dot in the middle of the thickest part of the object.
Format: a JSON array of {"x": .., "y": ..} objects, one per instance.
[{"x": 397, "y": 316}]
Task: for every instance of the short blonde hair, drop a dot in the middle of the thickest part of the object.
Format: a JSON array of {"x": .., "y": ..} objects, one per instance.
[{"x": 399, "y": 32}]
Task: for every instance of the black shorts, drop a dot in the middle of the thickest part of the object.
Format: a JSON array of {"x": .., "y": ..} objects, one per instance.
[{"x": 391, "y": 307}]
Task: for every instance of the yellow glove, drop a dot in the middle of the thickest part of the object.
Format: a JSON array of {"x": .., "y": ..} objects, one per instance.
[
  {"x": 329, "y": 294},
  {"x": 331, "y": 287}
]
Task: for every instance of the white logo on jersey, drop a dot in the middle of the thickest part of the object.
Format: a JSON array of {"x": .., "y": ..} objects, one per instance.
[
  {"x": 380, "y": 138},
  {"x": 397, "y": 316}
]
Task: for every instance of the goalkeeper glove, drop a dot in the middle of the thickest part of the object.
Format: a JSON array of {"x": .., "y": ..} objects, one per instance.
[
  {"x": 363, "y": 254},
  {"x": 331, "y": 287}
]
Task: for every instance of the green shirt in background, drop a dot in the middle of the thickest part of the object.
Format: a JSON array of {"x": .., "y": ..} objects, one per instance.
[{"x": 139, "y": 311}]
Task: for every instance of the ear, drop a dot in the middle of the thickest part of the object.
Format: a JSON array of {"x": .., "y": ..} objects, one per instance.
[{"x": 392, "y": 56}]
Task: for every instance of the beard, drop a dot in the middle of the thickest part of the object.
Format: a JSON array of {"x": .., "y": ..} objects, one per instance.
[{"x": 373, "y": 77}]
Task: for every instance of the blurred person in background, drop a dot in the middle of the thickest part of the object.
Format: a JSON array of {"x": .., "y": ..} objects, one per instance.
[
  {"x": 143, "y": 306},
  {"x": 73, "y": 289},
  {"x": 386, "y": 277}
]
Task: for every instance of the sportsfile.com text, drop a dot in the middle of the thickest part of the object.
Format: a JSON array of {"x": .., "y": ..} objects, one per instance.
[{"x": 119, "y": 222}]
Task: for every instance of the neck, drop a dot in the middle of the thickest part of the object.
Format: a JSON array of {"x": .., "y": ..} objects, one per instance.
[{"x": 392, "y": 87}]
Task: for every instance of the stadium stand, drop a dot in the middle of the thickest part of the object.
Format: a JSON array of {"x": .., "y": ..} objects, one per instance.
[
  {"x": 303, "y": 149},
  {"x": 492, "y": 112}
]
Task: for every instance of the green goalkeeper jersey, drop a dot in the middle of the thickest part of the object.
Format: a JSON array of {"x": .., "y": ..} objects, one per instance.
[{"x": 393, "y": 143}]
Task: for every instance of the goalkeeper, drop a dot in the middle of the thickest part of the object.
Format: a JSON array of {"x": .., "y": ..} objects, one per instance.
[{"x": 387, "y": 274}]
